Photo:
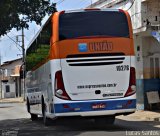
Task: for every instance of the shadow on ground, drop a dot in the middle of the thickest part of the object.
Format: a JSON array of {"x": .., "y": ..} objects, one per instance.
[{"x": 71, "y": 126}]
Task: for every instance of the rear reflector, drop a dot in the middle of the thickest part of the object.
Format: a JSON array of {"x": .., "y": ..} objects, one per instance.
[
  {"x": 132, "y": 76},
  {"x": 132, "y": 83},
  {"x": 66, "y": 106},
  {"x": 59, "y": 86}
]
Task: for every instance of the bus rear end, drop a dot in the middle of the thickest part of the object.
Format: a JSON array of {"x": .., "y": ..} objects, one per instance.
[{"x": 96, "y": 75}]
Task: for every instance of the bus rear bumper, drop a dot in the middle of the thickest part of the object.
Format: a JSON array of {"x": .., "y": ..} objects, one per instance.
[
  {"x": 95, "y": 108},
  {"x": 97, "y": 113}
]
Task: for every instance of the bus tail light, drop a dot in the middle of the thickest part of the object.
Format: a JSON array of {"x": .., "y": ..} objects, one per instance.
[
  {"x": 59, "y": 86},
  {"x": 132, "y": 83}
]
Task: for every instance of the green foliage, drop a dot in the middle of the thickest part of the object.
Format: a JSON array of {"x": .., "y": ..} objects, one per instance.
[{"x": 18, "y": 13}]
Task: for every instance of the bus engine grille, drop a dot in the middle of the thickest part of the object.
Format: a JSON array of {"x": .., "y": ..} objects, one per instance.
[{"x": 96, "y": 59}]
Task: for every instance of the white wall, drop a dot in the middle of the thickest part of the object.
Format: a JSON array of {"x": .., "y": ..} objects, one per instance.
[
  {"x": 150, "y": 10},
  {"x": 10, "y": 94},
  {"x": 151, "y": 49},
  {"x": 9, "y": 70},
  {"x": 139, "y": 58}
]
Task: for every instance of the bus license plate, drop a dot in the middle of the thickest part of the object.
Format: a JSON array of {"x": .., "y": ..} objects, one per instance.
[{"x": 99, "y": 106}]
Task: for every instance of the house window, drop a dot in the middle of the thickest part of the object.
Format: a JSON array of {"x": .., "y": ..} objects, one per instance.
[{"x": 7, "y": 88}]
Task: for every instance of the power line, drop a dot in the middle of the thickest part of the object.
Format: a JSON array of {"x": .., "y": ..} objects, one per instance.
[
  {"x": 59, "y": 2},
  {"x": 11, "y": 39},
  {"x": 131, "y": 5},
  {"x": 136, "y": 13},
  {"x": 14, "y": 42},
  {"x": 6, "y": 39}
]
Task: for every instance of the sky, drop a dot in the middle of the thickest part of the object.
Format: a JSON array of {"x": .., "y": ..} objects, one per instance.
[{"x": 9, "y": 50}]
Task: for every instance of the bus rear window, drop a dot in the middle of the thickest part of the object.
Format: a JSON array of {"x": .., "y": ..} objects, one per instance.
[{"x": 93, "y": 23}]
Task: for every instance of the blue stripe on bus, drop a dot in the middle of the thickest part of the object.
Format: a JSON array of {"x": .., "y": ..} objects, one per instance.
[{"x": 88, "y": 106}]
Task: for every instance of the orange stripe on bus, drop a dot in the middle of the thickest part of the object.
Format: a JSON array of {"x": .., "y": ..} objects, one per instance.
[{"x": 64, "y": 48}]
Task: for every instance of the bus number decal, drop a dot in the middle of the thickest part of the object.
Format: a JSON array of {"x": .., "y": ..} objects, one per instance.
[{"x": 122, "y": 68}]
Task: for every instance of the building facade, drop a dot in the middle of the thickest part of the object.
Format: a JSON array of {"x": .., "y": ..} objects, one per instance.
[
  {"x": 145, "y": 16},
  {"x": 10, "y": 79}
]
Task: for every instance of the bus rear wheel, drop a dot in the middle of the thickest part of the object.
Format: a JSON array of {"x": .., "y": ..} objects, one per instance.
[
  {"x": 105, "y": 120},
  {"x": 28, "y": 106},
  {"x": 46, "y": 120},
  {"x": 34, "y": 117}
]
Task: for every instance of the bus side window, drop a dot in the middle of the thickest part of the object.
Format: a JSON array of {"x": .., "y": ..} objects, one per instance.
[{"x": 39, "y": 50}]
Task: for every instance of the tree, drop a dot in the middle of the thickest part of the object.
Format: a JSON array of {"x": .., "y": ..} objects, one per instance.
[{"x": 15, "y": 13}]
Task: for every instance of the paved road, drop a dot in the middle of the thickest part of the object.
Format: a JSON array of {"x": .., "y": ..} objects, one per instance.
[{"x": 14, "y": 120}]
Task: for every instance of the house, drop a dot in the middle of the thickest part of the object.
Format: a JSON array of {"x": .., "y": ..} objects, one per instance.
[
  {"x": 145, "y": 16},
  {"x": 10, "y": 79}
]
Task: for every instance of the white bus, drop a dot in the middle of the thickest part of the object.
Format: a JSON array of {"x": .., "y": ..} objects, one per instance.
[{"x": 82, "y": 63}]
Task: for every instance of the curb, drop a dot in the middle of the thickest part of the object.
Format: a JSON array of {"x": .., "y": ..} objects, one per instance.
[
  {"x": 2, "y": 102},
  {"x": 12, "y": 100}
]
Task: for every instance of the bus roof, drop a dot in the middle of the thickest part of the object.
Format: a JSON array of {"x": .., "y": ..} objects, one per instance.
[{"x": 91, "y": 9}]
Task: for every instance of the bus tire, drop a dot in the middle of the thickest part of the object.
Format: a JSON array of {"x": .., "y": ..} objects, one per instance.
[
  {"x": 28, "y": 106},
  {"x": 110, "y": 120},
  {"x": 105, "y": 120},
  {"x": 46, "y": 120},
  {"x": 34, "y": 117}
]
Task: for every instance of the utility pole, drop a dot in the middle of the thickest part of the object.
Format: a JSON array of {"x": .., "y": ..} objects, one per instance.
[
  {"x": 23, "y": 61},
  {"x": 23, "y": 50}
]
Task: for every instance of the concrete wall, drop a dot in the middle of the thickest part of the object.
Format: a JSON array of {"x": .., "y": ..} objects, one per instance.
[
  {"x": 148, "y": 76},
  {"x": 151, "y": 50},
  {"x": 10, "y": 68},
  {"x": 135, "y": 13},
  {"x": 138, "y": 53},
  {"x": 139, "y": 71},
  {"x": 151, "y": 11},
  {"x": 11, "y": 93},
  {"x": 151, "y": 66}
]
